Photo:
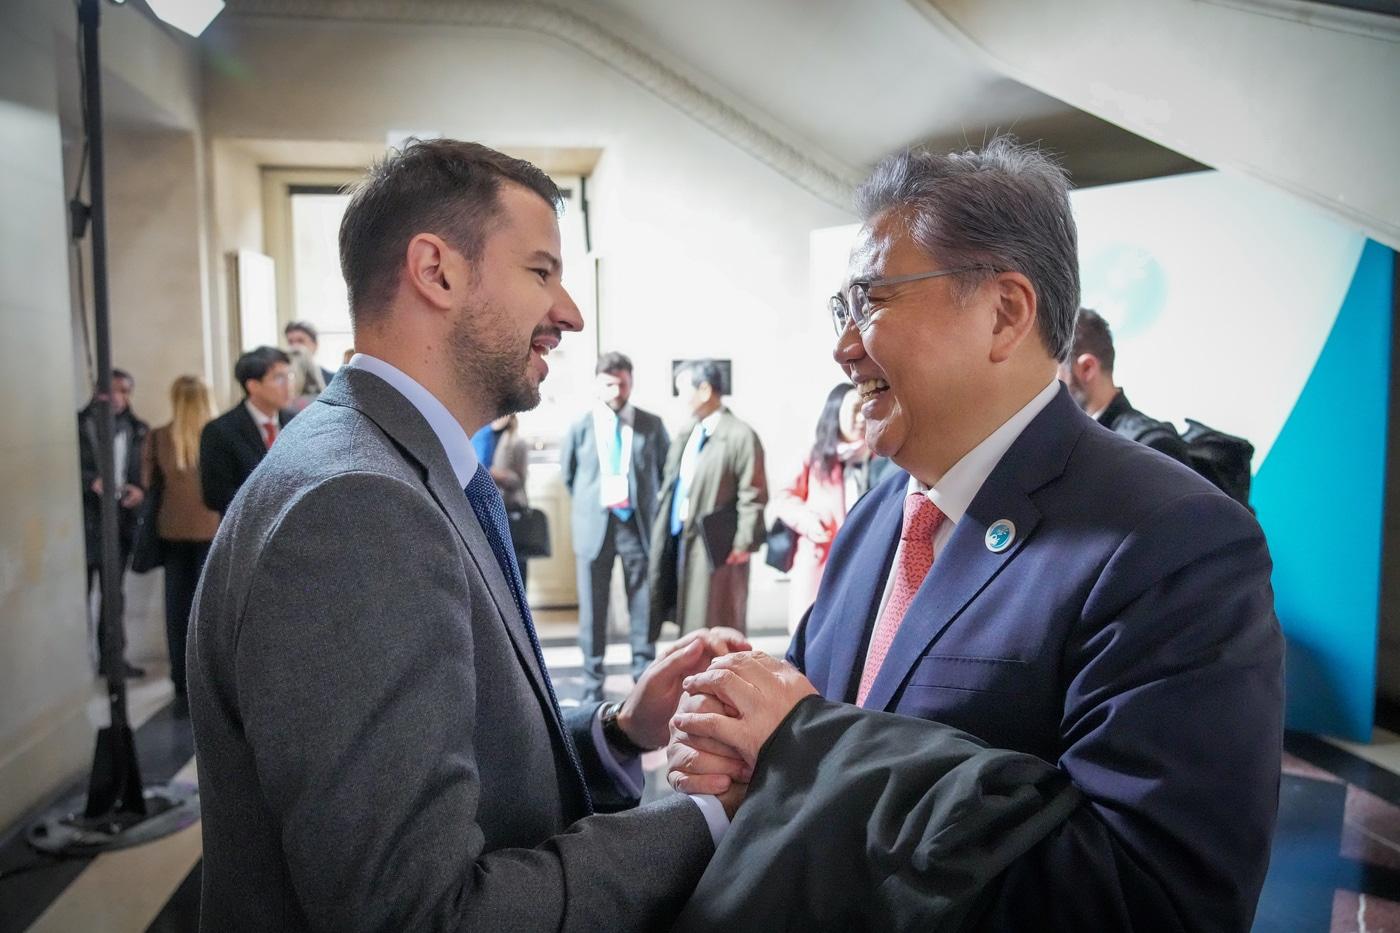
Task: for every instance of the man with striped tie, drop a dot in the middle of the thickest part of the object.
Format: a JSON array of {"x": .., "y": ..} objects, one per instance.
[
  {"x": 1054, "y": 600},
  {"x": 380, "y": 746}
]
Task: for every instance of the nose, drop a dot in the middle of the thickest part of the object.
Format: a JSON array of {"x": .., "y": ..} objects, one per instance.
[
  {"x": 849, "y": 348},
  {"x": 565, "y": 313}
]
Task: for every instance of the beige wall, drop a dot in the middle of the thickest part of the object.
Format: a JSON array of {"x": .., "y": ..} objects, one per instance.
[
  {"x": 702, "y": 249},
  {"x": 158, "y": 294},
  {"x": 45, "y": 679}
]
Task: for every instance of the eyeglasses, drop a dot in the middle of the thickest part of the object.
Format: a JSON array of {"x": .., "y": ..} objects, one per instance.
[{"x": 857, "y": 307}]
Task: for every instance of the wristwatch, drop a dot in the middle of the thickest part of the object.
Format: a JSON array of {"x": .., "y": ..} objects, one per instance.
[{"x": 613, "y": 732}]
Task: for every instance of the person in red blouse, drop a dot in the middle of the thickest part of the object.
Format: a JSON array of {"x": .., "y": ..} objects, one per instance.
[{"x": 833, "y": 476}]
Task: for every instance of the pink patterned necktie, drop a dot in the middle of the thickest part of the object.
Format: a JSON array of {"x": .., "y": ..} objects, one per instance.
[{"x": 921, "y": 521}]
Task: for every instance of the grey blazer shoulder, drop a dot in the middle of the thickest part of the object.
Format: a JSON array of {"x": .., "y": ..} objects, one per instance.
[
  {"x": 582, "y": 476},
  {"x": 377, "y": 750}
]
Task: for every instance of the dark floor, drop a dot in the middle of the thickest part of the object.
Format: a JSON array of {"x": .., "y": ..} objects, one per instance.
[{"x": 1335, "y": 864}]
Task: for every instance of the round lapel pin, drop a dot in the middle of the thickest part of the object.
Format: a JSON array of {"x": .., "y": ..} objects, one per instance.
[{"x": 1000, "y": 535}]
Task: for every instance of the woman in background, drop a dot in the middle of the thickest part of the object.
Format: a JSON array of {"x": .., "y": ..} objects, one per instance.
[
  {"x": 183, "y": 524},
  {"x": 500, "y": 446},
  {"x": 307, "y": 379},
  {"x": 814, "y": 505}
]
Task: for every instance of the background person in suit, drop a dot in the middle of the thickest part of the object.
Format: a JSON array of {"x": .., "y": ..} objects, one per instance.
[
  {"x": 500, "y": 445},
  {"x": 184, "y": 525},
  {"x": 128, "y": 441},
  {"x": 234, "y": 443},
  {"x": 379, "y": 743},
  {"x": 834, "y": 475},
  {"x": 1088, "y": 371},
  {"x": 716, "y": 465},
  {"x": 302, "y": 335},
  {"x": 1041, "y": 583},
  {"x": 612, "y": 460}
]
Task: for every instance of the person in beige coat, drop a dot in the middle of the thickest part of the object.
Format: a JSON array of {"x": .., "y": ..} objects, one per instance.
[{"x": 715, "y": 465}]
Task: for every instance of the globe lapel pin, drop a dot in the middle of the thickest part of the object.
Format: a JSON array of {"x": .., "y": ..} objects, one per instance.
[{"x": 1000, "y": 535}]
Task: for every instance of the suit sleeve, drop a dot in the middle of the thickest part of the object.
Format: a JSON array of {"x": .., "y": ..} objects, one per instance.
[
  {"x": 568, "y": 465},
  {"x": 87, "y": 457},
  {"x": 663, "y": 451},
  {"x": 753, "y": 496},
  {"x": 1172, "y": 730},
  {"x": 217, "y": 481},
  {"x": 358, "y": 698}
]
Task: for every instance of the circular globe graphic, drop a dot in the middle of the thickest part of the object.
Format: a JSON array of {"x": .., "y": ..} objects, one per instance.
[{"x": 1126, "y": 285}]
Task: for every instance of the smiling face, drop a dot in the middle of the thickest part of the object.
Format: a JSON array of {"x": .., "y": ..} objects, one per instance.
[
  {"x": 516, "y": 309},
  {"x": 923, "y": 361}
]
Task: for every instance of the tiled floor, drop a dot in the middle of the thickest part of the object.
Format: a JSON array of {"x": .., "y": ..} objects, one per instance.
[{"x": 1335, "y": 865}]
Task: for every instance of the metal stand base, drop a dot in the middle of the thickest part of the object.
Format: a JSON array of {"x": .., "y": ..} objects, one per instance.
[{"x": 65, "y": 831}]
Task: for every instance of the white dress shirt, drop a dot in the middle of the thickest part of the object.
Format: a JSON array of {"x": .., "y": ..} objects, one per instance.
[
  {"x": 604, "y": 430},
  {"x": 626, "y": 773},
  {"x": 960, "y": 485},
  {"x": 262, "y": 421},
  {"x": 704, "y": 429}
]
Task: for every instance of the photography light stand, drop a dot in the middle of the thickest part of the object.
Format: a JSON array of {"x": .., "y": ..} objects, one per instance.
[{"x": 119, "y": 810}]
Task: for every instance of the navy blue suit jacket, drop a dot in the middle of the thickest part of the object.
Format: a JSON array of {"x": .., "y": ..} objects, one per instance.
[{"x": 1127, "y": 635}]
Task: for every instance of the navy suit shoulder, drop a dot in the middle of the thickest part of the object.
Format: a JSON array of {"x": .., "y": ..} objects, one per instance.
[{"x": 1126, "y": 634}]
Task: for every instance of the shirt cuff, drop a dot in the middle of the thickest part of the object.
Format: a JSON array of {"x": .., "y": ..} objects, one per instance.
[
  {"x": 626, "y": 773},
  {"x": 714, "y": 814}
]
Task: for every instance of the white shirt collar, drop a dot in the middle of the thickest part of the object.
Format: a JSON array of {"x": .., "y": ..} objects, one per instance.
[
  {"x": 449, "y": 431},
  {"x": 960, "y": 485},
  {"x": 603, "y": 414},
  {"x": 712, "y": 419},
  {"x": 258, "y": 417}
]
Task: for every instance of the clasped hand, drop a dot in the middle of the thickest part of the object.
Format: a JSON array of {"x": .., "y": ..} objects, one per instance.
[
  {"x": 726, "y": 715},
  {"x": 645, "y": 716}
]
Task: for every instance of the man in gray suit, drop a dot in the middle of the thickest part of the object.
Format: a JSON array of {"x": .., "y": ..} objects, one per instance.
[
  {"x": 379, "y": 743},
  {"x": 612, "y": 461}
]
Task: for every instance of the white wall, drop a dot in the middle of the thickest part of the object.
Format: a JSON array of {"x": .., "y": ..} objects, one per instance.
[
  {"x": 703, "y": 250},
  {"x": 45, "y": 680},
  {"x": 158, "y": 300},
  {"x": 1304, "y": 101}
]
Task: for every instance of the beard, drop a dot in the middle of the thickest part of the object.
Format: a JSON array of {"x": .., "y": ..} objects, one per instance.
[{"x": 493, "y": 362}]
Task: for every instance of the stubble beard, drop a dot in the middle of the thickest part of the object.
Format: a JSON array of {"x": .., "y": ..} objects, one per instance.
[{"x": 489, "y": 363}]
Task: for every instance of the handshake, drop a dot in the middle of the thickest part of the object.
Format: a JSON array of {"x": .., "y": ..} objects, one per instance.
[{"x": 725, "y": 715}]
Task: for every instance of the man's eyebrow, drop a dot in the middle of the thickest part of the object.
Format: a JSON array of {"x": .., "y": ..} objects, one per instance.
[{"x": 547, "y": 257}]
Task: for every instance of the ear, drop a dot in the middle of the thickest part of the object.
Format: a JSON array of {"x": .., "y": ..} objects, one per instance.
[
  {"x": 1087, "y": 367},
  {"x": 434, "y": 270},
  {"x": 1014, "y": 314}
]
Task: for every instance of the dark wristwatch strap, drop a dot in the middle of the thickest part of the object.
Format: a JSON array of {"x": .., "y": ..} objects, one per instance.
[{"x": 613, "y": 733}]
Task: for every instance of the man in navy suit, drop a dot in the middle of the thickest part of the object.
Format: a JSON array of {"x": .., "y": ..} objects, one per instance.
[
  {"x": 1028, "y": 576},
  {"x": 233, "y": 444}
]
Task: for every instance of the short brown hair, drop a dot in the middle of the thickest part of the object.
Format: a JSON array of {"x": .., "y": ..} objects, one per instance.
[
  {"x": 1092, "y": 335},
  {"x": 441, "y": 186},
  {"x": 614, "y": 363}
]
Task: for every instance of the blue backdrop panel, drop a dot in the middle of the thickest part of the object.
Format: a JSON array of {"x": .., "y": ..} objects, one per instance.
[{"x": 1319, "y": 495}]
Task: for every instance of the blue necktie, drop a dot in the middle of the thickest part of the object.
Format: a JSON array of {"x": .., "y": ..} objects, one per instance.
[
  {"x": 616, "y": 464},
  {"x": 490, "y": 511},
  {"x": 683, "y": 485}
]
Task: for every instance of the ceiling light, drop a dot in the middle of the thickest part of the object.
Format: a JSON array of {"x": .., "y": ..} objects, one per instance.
[{"x": 188, "y": 16}]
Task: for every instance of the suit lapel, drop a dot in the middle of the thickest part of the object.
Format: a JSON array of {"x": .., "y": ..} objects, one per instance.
[
  {"x": 966, "y": 565},
  {"x": 397, "y": 417},
  {"x": 958, "y": 574},
  {"x": 870, "y": 566},
  {"x": 248, "y": 430}
]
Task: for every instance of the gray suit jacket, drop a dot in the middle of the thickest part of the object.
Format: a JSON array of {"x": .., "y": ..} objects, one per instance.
[
  {"x": 579, "y": 465},
  {"x": 376, "y": 746}
]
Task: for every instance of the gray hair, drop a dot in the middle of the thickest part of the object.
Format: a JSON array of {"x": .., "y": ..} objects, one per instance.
[{"x": 1004, "y": 207}]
